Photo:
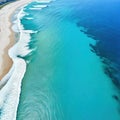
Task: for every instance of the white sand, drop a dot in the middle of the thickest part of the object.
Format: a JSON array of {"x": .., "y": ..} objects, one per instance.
[{"x": 6, "y": 34}]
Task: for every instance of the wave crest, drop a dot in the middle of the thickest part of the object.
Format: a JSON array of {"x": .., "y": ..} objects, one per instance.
[{"x": 10, "y": 85}]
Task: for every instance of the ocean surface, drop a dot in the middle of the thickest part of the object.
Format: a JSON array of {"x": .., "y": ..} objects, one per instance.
[{"x": 72, "y": 68}]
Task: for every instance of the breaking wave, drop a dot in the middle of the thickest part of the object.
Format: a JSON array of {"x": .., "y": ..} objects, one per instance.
[{"x": 10, "y": 85}]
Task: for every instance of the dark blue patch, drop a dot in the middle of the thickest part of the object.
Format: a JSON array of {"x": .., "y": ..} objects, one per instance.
[
  {"x": 102, "y": 21},
  {"x": 5, "y": 1}
]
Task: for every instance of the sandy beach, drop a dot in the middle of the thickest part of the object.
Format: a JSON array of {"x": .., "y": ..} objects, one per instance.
[{"x": 7, "y": 35}]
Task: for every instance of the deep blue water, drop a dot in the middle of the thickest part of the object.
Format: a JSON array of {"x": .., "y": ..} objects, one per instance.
[
  {"x": 103, "y": 25},
  {"x": 5, "y": 1},
  {"x": 70, "y": 73}
]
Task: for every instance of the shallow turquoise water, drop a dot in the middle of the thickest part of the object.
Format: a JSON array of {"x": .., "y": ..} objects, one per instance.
[{"x": 64, "y": 80}]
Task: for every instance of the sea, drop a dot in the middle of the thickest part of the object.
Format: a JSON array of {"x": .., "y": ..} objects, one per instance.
[{"x": 66, "y": 62}]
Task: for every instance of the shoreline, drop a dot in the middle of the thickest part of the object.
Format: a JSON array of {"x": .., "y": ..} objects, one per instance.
[{"x": 7, "y": 39}]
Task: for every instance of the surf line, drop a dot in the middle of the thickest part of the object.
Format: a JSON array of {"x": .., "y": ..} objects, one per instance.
[{"x": 10, "y": 85}]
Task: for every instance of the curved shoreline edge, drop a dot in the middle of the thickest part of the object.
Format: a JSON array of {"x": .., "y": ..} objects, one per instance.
[
  {"x": 10, "y": 85},
  {"x": 7, "y": 35}
]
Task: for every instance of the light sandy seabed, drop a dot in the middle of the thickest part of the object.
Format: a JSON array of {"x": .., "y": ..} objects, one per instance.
[{"x": 7, "y": 35}]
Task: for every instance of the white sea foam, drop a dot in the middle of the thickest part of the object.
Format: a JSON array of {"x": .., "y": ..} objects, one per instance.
[
  {"x": 15, "y": 27},
  {"x": 35, "y": 8},
  {"x": 42, "y": 1},
  {"x": 39, "y": 6},
  {"x": 9, "y": 94},
  {"x": 10, "y": 85},
  {"x": 29, "y": 18}
]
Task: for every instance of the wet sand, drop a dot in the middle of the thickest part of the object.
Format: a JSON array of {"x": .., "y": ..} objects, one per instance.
[{"x": 7, "y": 35}]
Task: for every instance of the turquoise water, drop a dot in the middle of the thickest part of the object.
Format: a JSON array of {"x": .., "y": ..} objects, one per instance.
[{"x": 64, "y": 79}]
